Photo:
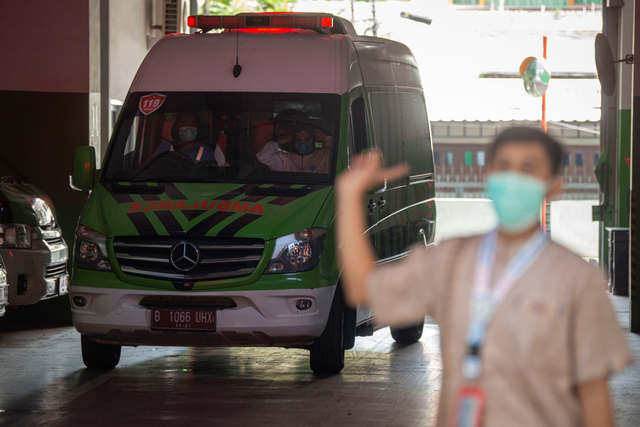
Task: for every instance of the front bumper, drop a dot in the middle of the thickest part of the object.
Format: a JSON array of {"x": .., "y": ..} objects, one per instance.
[
  {"x": 37, "y": 273},
  {"x": 260, "y": 318}
]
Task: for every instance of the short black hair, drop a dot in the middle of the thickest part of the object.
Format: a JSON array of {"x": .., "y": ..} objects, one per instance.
[{"x": 533, "y": 135}]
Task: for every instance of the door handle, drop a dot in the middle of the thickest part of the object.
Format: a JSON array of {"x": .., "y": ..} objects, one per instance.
[
  {"x": 382, "y": 202},
  {"x": 371, "y": 206}
]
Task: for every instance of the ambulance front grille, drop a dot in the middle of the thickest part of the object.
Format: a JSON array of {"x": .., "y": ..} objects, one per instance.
[{"x": 220, "y": 257}]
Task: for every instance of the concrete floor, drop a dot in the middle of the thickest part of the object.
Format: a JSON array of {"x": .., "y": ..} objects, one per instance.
[{"x": 43, "y": 383}]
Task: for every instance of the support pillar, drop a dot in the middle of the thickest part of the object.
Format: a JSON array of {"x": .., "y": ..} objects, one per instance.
[
  {"x": 625, "y": 98},
  {"x": 634, "y": 240},
  {"x": 609, "y": 140}
]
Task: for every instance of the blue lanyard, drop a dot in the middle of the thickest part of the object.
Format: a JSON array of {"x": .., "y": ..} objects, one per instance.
[{"x": 485, "y": 299}]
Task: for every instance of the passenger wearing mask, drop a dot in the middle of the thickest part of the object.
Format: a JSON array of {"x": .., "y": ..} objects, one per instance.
[
  {"x": 294, "y": 149},
  {"x": 185, "y": 131}
]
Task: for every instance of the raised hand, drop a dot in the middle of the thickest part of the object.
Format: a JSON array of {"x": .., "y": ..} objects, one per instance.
[{"x": 366, "y": 172}]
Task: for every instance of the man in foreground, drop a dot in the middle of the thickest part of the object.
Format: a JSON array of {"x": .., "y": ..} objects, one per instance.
[{"x": 528, "y": 335}]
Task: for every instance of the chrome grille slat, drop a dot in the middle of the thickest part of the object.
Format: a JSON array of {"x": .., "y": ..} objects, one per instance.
[
  {"x": 52, "y": 271},
  {"x": 231, "y": 260},
  {"x": 139, "y": 245},
  {"x": 143, "y": 258},
  {"x": 187, "y": 277},
  {"x": 234, "y": 247},
  {"x": 54, "y": 241},
  {"x": 220, "y": 257}
]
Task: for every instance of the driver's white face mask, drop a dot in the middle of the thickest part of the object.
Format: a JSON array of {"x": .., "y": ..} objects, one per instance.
[{"x": 188, "y": 133}]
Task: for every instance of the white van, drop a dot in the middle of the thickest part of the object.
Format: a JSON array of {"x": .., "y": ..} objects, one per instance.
[{"x": 212, "y": 220}]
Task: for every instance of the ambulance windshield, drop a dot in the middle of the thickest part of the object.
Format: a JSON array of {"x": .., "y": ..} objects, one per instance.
[{"x": 225, "y": 137}]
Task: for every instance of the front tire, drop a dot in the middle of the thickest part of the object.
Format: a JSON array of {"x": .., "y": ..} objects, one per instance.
[
  {"x": 408, "y": 335},
  {"x": 327, "y": 352},
  {"x": 99, "y": 356}
]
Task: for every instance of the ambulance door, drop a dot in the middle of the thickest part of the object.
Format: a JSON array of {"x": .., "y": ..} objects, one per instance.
[
  {"x": 421, "y": 189},
  {"x": 359, "y": 140},
  {"x": 391, "y": 201}
]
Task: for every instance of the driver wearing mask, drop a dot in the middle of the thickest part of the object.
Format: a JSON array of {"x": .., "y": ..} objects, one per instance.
[
  {"x": 294, "y": 149},
  {"x": 186, "y": 129}
]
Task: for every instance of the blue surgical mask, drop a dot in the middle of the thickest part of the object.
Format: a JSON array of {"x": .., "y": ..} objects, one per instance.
[
  {"x": 517, "y": 199},
  {"x": 188, "y": 133},
  {"x": 304, "y": 148}
]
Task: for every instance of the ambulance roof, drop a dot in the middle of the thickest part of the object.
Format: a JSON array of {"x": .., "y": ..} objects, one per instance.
[{"x": 291, "y": 62}]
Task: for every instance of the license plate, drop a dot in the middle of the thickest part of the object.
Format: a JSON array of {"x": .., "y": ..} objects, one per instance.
[
  {"x": 63, "y": 286},
  {"x": 186, "y": 320}
]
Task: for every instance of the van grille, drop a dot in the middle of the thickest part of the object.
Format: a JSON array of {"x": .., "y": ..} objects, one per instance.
[
  {"x": 220, "y": 257},
  {"x": 54, "y": 241},
  {"x": 52, "y": 271}
]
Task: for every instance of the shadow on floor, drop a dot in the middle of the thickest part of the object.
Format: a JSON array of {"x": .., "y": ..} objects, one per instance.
[{"x": 51, "y": 313}]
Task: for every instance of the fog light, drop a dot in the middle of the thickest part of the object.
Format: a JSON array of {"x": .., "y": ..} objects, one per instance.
[
  {"x": 303, "y": 304},
  {"x": 104, "y": 265},
  {"x": 79, "y": 301}
]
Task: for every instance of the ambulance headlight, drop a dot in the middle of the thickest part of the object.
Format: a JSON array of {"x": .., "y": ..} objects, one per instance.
[
  {"x": 297, "y": 252},
  {"x": 90, "y": 250}
]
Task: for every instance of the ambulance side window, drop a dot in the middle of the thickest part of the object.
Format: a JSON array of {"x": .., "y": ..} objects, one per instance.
[
  {"x": 388, "y": 135},
  {"x": 415, "y": 133},
  {"x": 358, "y": 135}
]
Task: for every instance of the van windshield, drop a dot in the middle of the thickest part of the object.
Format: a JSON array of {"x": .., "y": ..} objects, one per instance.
[{"x": 225, "y": 137}]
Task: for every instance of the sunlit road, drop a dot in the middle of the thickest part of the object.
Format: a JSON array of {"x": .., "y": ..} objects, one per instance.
[{"x": 43, "y": 382}]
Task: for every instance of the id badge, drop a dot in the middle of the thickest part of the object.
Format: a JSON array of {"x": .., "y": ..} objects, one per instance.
[{"x": 469, "y": 407}]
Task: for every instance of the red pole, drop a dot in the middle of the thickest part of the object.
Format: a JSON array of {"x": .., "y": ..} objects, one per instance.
[{"x": 543, "y": 124}]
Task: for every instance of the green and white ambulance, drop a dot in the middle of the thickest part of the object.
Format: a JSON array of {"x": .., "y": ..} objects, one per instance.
[{"x": 211, "y": 221}]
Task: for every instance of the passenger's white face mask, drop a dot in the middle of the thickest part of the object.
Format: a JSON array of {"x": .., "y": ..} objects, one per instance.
[{"x": 188, "y": 133}]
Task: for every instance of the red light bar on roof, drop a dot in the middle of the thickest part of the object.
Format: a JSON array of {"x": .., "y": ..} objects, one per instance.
[
  {"x": 307, "y": 21},
  {"x": 282, "y": 21},
  {"x": 230, "y": 22},
  {"x": 262, "y": 20},
  {"x": 326, "y": 22},
  {"x": 209, "y": 21}
]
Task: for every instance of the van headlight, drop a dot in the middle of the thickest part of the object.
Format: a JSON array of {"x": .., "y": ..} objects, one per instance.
[
  {"x": 90, "y": 250},
  {"x": 42, "y": 210},
  {"x": 15, "y": 236},
  {"x": 297, "y": 252}
]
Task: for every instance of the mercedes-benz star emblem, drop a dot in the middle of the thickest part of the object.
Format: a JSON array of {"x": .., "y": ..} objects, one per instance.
[{"x": 185, "y": 256}]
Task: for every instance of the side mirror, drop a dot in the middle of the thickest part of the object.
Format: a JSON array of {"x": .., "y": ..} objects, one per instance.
[{"x": 84, "y": 169}]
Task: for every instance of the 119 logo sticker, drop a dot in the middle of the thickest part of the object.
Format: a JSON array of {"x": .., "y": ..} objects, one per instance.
[{"x": 150, "y": 103}]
